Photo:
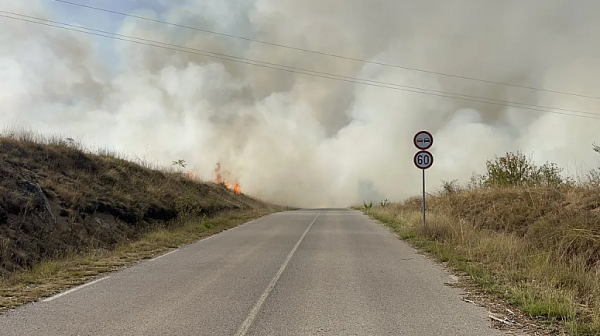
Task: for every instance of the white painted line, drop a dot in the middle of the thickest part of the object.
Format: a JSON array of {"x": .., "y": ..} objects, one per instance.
[
  {"x": 160, "y": 256},
  {"x": 205, "y": 239},
  {"x": 252, "y": 315},
  {"x": 154, "y": 259},
  {"x": 236, "y": 227},
  {"x": 74, "y": 289},
  {"x": 209, "y": 237},
  {"x": 213, "y": 236},
  {"x": 227, "y": 230}
]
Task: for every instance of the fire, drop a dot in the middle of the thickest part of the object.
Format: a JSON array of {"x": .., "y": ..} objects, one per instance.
[
  {"x": 193, "y": 176},
  {"x": 235, "y": 187}
]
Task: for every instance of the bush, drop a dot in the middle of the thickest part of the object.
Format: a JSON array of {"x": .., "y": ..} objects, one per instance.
[
  {"x": 450, "y": 187},
  {"x": 476, "y": 181},
  {"x": 593, "y": 178},
  {"x": 515, "y": 169}
]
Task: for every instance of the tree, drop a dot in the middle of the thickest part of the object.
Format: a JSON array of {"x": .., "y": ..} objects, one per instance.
[{"x": 180, "y": 163}]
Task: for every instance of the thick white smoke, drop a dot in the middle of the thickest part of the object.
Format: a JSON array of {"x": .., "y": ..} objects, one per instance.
[{"x": 303, "y": 140}]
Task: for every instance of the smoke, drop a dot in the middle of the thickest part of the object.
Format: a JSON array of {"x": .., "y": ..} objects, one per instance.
[{"x": 303, "y": 140}]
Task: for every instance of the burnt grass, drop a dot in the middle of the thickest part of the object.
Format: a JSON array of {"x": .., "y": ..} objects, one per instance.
[{"x": 56, "y": 200}]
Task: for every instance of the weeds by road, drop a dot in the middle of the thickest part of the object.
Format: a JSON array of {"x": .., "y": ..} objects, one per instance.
[
  {"x": 522, "y": 233},
  {"x": 52, "y": 276},
  {"x": 68, "y": 214}
]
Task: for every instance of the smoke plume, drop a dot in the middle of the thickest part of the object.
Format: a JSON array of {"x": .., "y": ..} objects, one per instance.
[{"x": 304, "y": 140}]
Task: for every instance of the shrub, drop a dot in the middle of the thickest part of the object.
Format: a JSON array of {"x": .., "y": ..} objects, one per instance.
[
  {"x": 450, "y": 187},
  {"x": 476, "y": 181},
  {"x": 515, "y": 169}
]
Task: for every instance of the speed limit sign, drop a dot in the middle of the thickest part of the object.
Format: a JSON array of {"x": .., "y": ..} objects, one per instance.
[{"x": 423, "y": 160}]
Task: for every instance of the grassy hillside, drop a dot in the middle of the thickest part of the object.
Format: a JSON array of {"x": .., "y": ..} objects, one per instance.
[
  {"x": 522, "y": 232},
  {"x": 57, "y": 200}
]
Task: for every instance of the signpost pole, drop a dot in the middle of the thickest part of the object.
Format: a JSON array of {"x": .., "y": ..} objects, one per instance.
[
  {"x": 423, "y": 198},
  {"x": 423, "y": 140}
]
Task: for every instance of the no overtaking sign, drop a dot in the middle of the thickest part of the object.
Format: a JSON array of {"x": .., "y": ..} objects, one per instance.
[
  {"x": 423, "y": 140},
  {"x": 423, "y": 159}
]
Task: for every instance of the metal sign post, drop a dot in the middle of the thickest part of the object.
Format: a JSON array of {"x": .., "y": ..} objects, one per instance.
[{"x": 423, "y": 159}]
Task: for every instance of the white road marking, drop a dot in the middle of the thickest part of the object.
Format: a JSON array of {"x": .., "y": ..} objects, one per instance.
[
  {"x": 252, "y": 315},
  {"x": 205, "y": 239},
  {"x": 74, "y": 289},
  {"x": 154, "y": 259},
  {"x": 239, "y": 226},
  {"x": 162, "y": 255}
]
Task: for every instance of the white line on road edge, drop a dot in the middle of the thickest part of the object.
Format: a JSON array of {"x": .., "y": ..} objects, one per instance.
[
  {"x": 248, "y": 322},
  {"x": 162, "y": 255},
  {"x": 226, "y": 230},
  {"x": 211, "y": 236},
  {"x": 74, "y": 289}
]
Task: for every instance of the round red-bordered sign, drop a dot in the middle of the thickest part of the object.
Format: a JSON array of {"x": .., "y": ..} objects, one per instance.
[
  {"x": 423, "y": 140},
  {"x": 423, "y": 160}
]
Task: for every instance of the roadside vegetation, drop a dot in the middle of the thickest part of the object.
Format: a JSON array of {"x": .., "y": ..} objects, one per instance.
[
  {"x": 522, "y": 232},
  {"x": 68, "y": 214}
]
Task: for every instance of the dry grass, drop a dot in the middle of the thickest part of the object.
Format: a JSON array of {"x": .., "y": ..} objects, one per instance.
[
  {"x": 58, "y": 198},
  {"x": 51, "y": 276},
  {"x": 68, "y": 213},
  {"x": 536, "y": 248}
]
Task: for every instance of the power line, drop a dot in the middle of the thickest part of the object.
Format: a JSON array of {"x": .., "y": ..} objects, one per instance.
[
  {"x": 292, "y": 69},
  {"x": 166, "y": 46},
  {"x": 309, "y": 72},
  {"x": 327, "y": 54}
]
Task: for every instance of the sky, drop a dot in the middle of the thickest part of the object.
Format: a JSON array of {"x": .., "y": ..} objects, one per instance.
[{"x": 305, "y": 140}]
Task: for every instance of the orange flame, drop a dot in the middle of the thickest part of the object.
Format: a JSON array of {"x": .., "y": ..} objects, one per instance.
[
  {"x": 193, "y": 176},
  {"x": 236, "y": 187}
]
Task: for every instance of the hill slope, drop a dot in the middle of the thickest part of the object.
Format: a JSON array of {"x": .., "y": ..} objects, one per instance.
[
  {"x": 57, "y": 199},
  {"x": 533, "y": 244}
]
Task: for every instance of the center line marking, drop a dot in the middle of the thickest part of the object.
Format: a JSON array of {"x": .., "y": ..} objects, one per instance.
[{"x": 254, "y": 312}]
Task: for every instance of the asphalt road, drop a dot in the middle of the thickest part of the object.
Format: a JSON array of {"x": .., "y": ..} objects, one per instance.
[{"x": 309, "y": 272}]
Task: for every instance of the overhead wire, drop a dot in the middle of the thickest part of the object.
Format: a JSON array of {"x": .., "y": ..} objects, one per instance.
[
  {"x": 312, "y": 71},
  {"x": 367, "y": 82},
  {"x": 325, "y": 53}
]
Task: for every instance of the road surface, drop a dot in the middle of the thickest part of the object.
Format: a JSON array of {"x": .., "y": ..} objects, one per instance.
[{"x": 308, "y": 272}]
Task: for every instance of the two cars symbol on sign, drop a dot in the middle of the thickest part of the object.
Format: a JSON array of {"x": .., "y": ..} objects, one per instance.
[{"x": 423, "y": 140}]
